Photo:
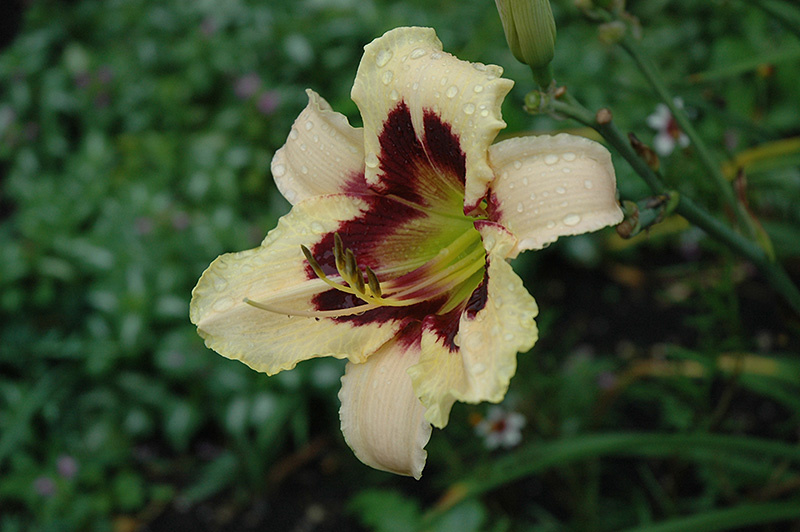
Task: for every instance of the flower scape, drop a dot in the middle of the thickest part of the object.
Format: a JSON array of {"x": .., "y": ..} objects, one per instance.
[{"x": 394, "y": 254}]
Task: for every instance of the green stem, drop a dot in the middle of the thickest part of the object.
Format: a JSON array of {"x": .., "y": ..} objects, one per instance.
[
  {"x": 687, "y": 208},
  {"x": 679, "y": 114}
]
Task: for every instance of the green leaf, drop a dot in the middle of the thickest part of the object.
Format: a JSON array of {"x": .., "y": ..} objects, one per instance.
[{"x": 386, "y": 511}]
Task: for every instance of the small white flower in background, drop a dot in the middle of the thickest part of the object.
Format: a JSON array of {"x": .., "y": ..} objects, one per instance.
[
  {"x": 501, "y": 428},
  {"x": 669, "y": 134}
]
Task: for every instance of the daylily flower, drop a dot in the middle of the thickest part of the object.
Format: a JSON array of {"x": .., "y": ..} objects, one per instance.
[
  {"x": 393, "y": 255},
  {"x": 668, "y": 133}
]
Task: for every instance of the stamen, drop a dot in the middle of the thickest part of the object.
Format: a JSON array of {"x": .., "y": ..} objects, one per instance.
[
  {"x": 374, "y": 285},
  {"x": 338, "y": 252},
  {"x": 313, "y": 262},
  {"x": 351, "y": 311}
]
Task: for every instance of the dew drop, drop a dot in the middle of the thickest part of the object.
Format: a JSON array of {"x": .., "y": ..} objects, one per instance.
[
  {"x": 588, "y": 184},
  {"x": 478, "y": 368},
  {"x": 517, "y": 164},
  {"x": 304, "y": 169},
  {"x": 551, "y": 224},
  {"x": 387, "y": 76},
  {"x": 317, "y": 227},
  {"x": 309, "y": 125},
  {"x": 371, "y": 160},
  {"x": 278, "y": 170},
  {"x": 551, "y": 158},
  {"x": 520, "y": 207},
  {"x": 417, "y": 53},
  {"x": 478, "y": 88},
  {"x": 290, "y": 194},
  {"x": 383, "y": 57},
  {"x": 469, "y": 108},
  {"x": 485, "y": 113},
  {"x": 293, "y": 134},
  {"x": 572, "y": 220},
  {"x": 394, "y": 95},
  {"x": 303, "y": 146},
  {"x": 508, "y": 337},
  {"x": 569, "y": 156},
  {"x": 566, "y": 170},
  {"x": 533, "y": 195},
  {"x": 561, "y": 190},
  {"x": 525, "y": 181}
]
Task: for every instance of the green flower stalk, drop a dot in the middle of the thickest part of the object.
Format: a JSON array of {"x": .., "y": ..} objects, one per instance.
[{"x": 531, "y": 34}]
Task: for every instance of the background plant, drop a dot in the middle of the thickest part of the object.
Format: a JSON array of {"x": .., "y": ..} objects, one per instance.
[{"x": 135, "y": 140}]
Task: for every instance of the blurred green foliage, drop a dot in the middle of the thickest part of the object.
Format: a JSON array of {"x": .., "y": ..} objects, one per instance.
[{"x": 135, "y": 140}]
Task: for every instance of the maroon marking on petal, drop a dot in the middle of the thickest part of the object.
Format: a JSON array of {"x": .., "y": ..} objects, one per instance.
[
  {"x": 356, "y": 184},
  {"x": 479, "y": 296},
  {"x": 493, "y": 208},
  {"x": 401, "y": 156},
  {"x": 419, "y": 169},
  {"x": 443, "y": 148},
  {"x": 445, "y": 327}
]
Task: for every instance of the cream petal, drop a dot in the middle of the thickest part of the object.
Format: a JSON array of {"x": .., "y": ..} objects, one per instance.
[
  {"x": 322, "y": 155},
  {"x": 407, "y": 65},
  {"x": 382, "y": 420},
  {"x": 488, "y": 340},
  {"x": 275, "y": 274},
  {"x": 546, "y": 187}
]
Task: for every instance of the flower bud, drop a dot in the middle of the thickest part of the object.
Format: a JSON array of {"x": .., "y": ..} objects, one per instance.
[{"x": 531, "y": 34}]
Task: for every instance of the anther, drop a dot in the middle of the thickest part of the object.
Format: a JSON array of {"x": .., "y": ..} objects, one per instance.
[
  {"x": 372, "y": 279},
  {"x": 313, "y": 262},
  {"x": 338, "y": 252}
]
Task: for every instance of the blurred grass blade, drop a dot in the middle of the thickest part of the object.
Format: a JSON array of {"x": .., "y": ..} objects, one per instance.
[
  {"x": 539, "y": 456},
  {"x": 20, "y": 419},
  {"x": 784, "y": 153},
  {"x": 728, "y": 518}
]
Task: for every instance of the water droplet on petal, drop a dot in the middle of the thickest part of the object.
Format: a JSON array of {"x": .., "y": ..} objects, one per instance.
[
  {"x": 317, "y": 227},
  {"x": 394, "y": 95},
  {"x": 561, "y": 190},
  {"x": 278, "y": 170},
  {"x": 520, "y": 207},
  {"x": 551, "y": 224},
  {"x": 371, "y": 160},
  {"x": 469, "y": 108},
  {"x": 566, "y": 170},
  {"x": 569, "y": 156},
  {"x": 309, "y": 125},
  {"x": 485, "y": 113},
  {"x": 508, "y": 337},
  {"x": 304, "y": 169},
  {"x": 383, "y": 57},
  {"x": 417, "y": 53},
  {"x": 517, "y": 164},
  {"x": 293, "y": 134},
  {"x": 290, "y": 194},
  {"x": 533, "y": 195},
  {"x": 525, "y": 181},
  {"x": 551, "y": 158},
  {"x": 572, "y": 220},
  {"x": 387, "y": 77},
  {"x": 478, "y": 88},
  {"x": 588, "y": 184}
]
